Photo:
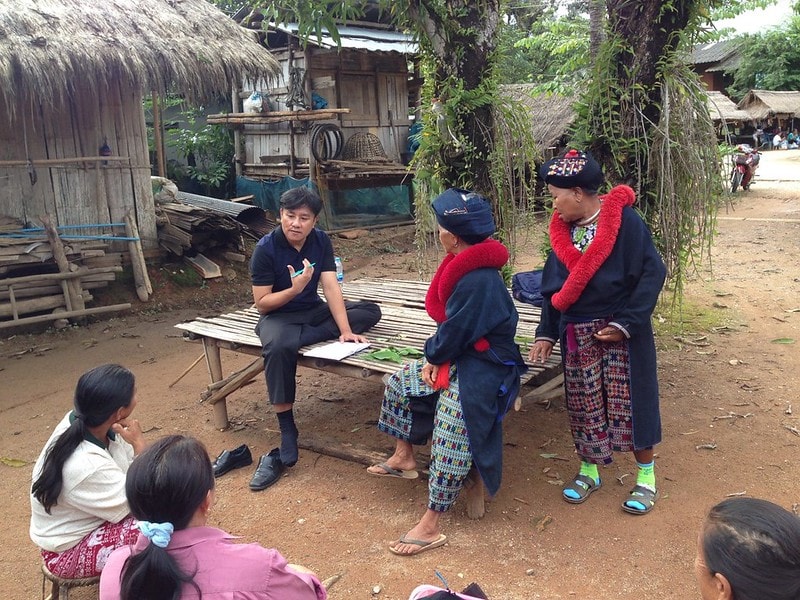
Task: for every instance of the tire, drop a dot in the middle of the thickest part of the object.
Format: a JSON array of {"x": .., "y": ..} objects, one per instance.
[
  {"x": 327, "y": 141},
  {"x": 736, "y": 180}
]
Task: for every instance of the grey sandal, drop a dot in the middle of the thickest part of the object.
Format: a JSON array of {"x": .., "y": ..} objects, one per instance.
[
  {"x": 644, "y": 496},
  {"x": 582, "y": 485}
]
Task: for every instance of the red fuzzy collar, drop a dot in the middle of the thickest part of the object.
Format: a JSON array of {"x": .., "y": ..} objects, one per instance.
[
  {"x": 489, "y": 253},
  {"x": 583, "y": 266}
]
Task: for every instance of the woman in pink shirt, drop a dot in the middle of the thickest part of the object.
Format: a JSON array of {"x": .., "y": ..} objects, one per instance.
[{"x": 170, "y": 489}]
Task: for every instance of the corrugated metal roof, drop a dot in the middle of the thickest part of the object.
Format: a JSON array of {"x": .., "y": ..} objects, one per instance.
[
  {"x": 360, "y": 38},
  {"x": 713, "y": 51}
]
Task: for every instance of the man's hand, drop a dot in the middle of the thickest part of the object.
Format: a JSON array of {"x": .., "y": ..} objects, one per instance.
[
  {"x": 301, "y": 278},
  {"x": 353, "y": 337}
]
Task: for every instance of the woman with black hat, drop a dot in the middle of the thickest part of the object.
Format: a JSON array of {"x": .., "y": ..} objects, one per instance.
[
  {"x": 600, "y": 285},
  {"x": 459, "y": 394}
]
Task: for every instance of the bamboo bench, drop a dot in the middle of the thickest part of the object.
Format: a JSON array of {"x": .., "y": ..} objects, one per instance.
[{"x": 404, "y": 323}]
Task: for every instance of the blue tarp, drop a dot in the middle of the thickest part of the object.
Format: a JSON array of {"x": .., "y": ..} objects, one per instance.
[
  {"x": 359, "y": 207},
  {"x": 267, "y": 194}
]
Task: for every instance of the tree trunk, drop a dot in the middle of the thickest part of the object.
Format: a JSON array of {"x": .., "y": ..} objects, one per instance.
[
  {"x": 597, "y": 15},
  {"x": 644, "y": 31},
  {"x": 463, "y": 39}
]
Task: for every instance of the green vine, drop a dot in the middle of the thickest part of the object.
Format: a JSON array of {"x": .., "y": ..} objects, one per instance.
[
  {"x": 673, "y": 163},
  {"x": 448, "y": 158}
]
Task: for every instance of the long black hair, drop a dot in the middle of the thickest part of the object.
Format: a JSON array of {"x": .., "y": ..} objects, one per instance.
[
  {"x": 755, "y": 544},
  {"x": 165, "y": 484},
  {"x": 99, "y": 394}
]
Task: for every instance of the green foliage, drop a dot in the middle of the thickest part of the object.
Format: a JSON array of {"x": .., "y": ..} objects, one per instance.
[
  {"x": 227, "y": 6},
  {"x": 186, "y": 278},
  {"x": 555, "y": 52},
  {"x": 393, "y": 354},
  {"x": 770, "y": 60},
  {"x": 208, "y": 147},
  {"x": 312, "y": 16}
]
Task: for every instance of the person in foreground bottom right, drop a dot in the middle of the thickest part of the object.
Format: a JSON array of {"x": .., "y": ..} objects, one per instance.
[{"x": 749, "y": 549}]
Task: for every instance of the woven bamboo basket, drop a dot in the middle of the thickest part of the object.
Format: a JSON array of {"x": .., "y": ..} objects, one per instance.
[{"x": 364, "y": 147}]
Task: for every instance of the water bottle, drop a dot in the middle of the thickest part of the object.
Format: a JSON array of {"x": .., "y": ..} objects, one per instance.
[{"x": 339, "y": 270}]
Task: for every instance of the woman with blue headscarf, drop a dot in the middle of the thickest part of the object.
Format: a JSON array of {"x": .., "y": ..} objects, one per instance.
[{"x": 459, "y": 394}]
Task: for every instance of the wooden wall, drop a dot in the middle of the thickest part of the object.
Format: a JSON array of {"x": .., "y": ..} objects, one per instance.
[
  {"x": 373, "y": 85},
  {"x": 74, "y": 191}
]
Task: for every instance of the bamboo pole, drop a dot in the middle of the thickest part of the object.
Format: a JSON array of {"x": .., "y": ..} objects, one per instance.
[
  {"x": 57, "y": 276},
  {"x": 189, "y": 368},
  {"x": 140, "y": 276},
  {"x": 64, "y": 315},
  {"x": 158, "y": 139},
  {"x": 233, "y": 382},
  {"x": 336, "y": 449}
]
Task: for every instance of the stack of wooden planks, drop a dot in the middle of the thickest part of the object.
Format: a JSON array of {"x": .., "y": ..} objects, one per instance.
[{"x": 40, "y": 273}]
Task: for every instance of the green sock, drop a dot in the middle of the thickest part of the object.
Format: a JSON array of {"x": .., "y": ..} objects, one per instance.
[
  {"x": 590, "y": 470},
  {"x": 647, "y": 474},
  {"x": 587, "y": 470}
]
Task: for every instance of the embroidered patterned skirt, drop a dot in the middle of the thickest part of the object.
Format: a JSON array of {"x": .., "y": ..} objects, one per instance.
[
  {"x": 88, "y": 557},
  {"x": 411, "y": 411},
  {"x": 598, "y": 391}
]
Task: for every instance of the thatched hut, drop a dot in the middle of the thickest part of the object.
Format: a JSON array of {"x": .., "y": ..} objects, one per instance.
[
  {"x": 763, "y": 105},
  {"x": 721, "y": 108},
  {"x": 551, "y": 116},
  {"x": 73, "y": 141}
]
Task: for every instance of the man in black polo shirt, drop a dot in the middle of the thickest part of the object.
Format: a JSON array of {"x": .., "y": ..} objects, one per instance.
[{"x": 287, "y": 267}]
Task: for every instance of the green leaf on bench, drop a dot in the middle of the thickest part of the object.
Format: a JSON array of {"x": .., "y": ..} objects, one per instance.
[{"x": 392, "y": 354}]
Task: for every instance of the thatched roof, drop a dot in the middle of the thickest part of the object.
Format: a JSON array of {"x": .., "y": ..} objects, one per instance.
[
  {"x": 723, "y": 108},
  {"x": 48, "y": 47},
  {"x": 550, "y": 115},
  {"x": 761, "y": 104}
]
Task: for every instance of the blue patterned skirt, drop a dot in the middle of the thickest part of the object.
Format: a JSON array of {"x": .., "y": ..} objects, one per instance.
[{"x": 411, "y": 410}]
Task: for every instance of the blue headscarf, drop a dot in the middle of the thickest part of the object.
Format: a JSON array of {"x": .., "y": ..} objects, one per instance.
[{"x": 465, "y": 214}]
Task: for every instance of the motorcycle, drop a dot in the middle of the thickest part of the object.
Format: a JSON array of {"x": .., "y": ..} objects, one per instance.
[{"x": 745, "y": 163}]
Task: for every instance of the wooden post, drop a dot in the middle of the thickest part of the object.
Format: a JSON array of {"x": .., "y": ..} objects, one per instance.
[
  {"x": 292, "y": 158},
  {"x": 236, "y": 106},
  {"x": 158, "y": 138},
  {"x": 74, "y": 296},
  {"x": 143, "y": 286},
  {"x": 214, "y": 364}
]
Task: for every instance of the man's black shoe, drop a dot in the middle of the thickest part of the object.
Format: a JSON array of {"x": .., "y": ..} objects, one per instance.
[
  {"x": 232, "y": 459},
  {"x": 270, "y": 467}
]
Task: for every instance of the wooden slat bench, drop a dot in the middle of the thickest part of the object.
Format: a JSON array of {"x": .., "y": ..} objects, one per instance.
[{"x": 404, "y": 323}]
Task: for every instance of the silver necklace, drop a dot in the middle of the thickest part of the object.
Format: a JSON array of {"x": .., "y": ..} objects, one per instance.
[{"x": 588, "y": 221}]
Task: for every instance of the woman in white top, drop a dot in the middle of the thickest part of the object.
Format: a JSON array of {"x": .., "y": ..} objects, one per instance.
[{"x": 79, "y": 512}]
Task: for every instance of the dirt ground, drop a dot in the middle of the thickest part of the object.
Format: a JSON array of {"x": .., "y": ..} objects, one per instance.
[{"x": 729, "y": 408}]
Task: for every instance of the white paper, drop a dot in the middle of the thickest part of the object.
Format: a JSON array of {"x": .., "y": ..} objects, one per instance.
[{"x": 336, "y": 350}]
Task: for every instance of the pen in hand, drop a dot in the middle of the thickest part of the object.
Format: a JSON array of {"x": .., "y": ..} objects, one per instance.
[{"x": 296, "y": 273}]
